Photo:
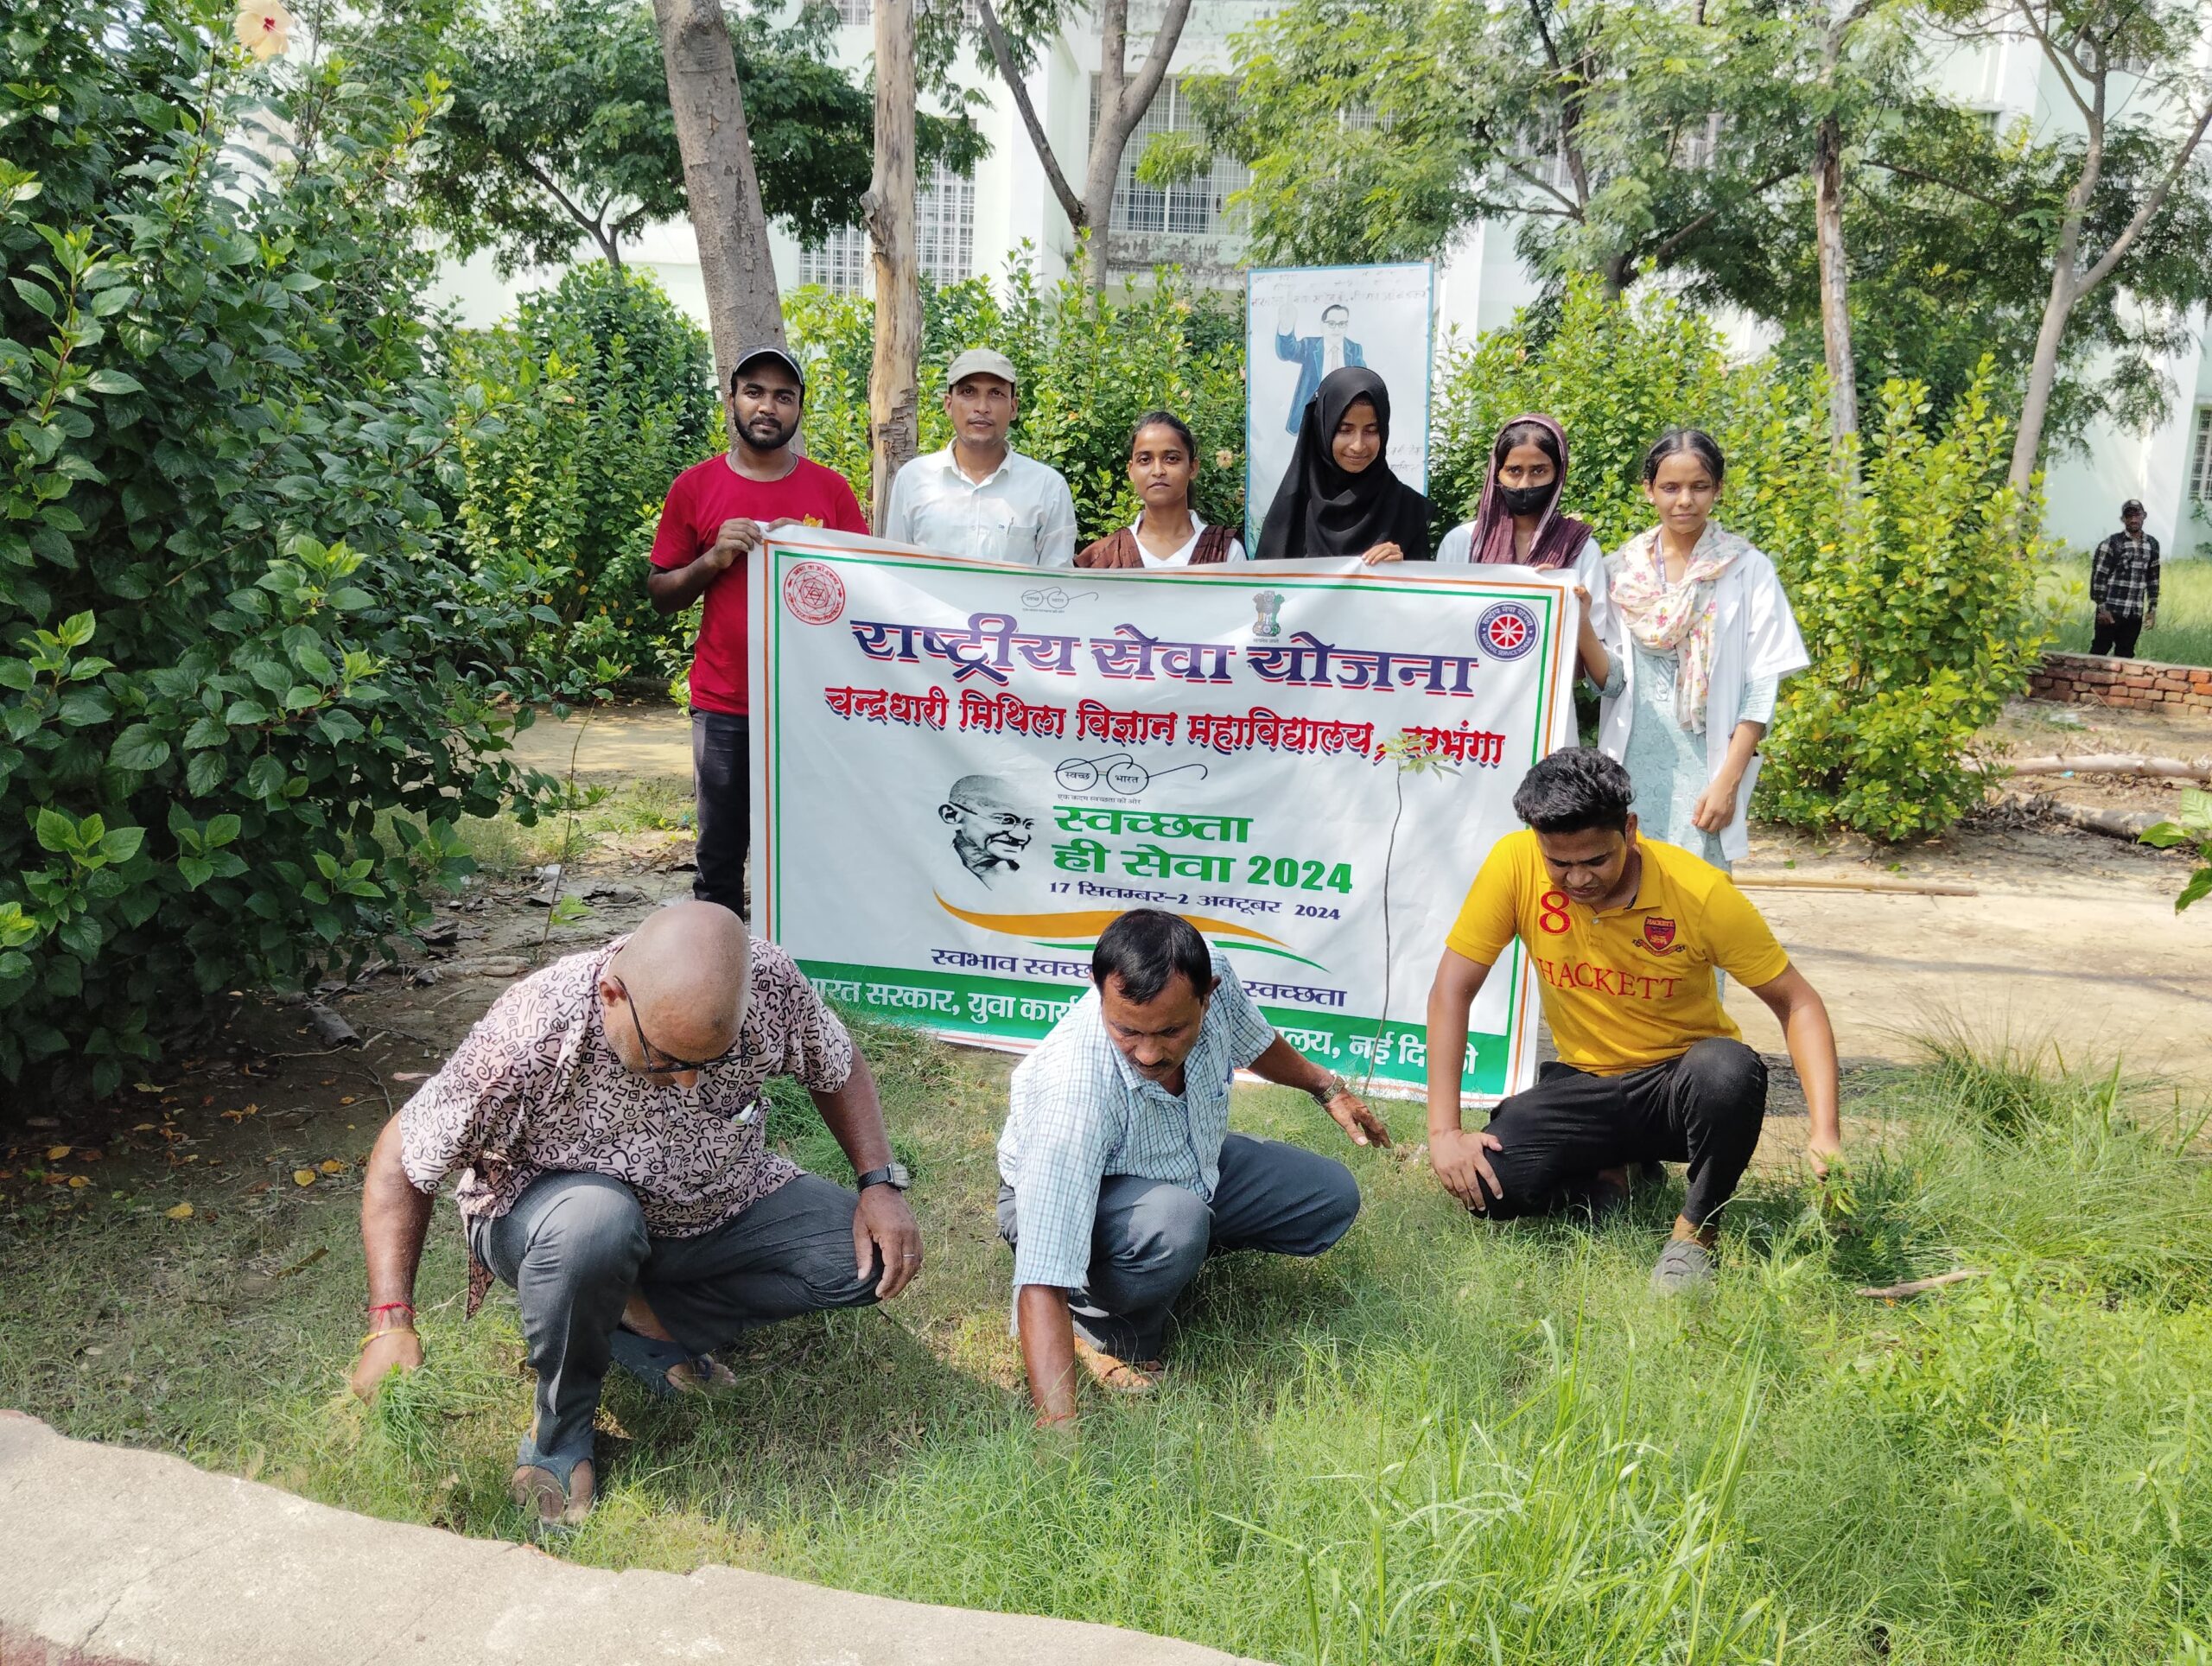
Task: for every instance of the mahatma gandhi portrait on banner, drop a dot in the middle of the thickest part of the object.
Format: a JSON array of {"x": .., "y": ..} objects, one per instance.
[{"x": 990, "y": 830}]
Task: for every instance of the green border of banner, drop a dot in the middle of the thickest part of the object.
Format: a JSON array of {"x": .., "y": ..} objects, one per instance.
[{"x": 768, "y": 628}]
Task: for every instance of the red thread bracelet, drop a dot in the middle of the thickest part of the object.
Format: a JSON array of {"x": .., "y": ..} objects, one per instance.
[{"x": 407, "y": 1308}]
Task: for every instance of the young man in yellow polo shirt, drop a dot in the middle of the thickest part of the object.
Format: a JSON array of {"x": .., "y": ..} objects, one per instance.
[{"x": 1625, "y": 935}]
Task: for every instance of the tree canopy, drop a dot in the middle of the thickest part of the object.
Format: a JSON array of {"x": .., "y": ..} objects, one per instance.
[{"x": 559, "y": 127}]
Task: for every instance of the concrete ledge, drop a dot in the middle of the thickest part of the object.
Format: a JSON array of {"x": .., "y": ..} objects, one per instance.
[{"x": 116, "y": 1557}]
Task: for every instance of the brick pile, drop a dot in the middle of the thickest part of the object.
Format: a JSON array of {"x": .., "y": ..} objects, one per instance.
[{"x": 2083, "y": 679}]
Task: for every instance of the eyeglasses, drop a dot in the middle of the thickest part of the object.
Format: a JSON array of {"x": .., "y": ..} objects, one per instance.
[{"x": 658, "y": 1063}]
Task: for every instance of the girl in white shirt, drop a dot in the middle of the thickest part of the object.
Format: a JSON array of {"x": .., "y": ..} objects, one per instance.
[
  {"x": 1168, "y": 532},
  {"x": 1517, "y": 521}
]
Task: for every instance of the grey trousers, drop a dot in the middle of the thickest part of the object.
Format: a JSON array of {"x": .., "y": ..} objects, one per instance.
[
  {"x": 1153, "y": 1236},
  {"x": 574, "y": 1246}
]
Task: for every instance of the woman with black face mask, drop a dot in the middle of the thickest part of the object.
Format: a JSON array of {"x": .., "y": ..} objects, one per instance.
[{"x": 1517, "y": 520}]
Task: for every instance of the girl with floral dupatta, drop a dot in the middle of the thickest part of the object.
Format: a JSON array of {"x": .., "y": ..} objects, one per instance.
[{"x": 1702, "y": 634}]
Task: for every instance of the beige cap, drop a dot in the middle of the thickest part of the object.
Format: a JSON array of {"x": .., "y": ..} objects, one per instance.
[{"x": 979, "y": 361}]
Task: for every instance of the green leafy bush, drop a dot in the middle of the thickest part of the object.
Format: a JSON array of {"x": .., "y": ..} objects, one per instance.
[
  {"x": 1916, "y": 594},
  {"x": 229, "y": 644},
  {"x": 609, "y": 391},
  {"x": 1915, "y": 591},
  {"x": 1089, "y": 369},
  {"x": 1616, "y": 374}
]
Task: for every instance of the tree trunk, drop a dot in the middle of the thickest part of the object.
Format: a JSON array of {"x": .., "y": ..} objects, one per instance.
[
  {"x": 1122, "y": 101},
  {"x": 743, "y": 308},
  {"x": 1109, "y": 141},
  {"x": 2043, "y": 365},
  {"x": 893, "y": 400},
  {"x": 1835, "y": 301}
]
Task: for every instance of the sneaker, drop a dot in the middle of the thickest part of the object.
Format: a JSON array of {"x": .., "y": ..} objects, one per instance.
[{"x": 1684, "y": 1265}]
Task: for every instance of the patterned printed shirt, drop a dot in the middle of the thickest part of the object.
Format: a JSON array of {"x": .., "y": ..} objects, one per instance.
[
  {"x": 536, "y": 1090},
  {"x": 2124, "y": 576},
  {"x": 1081, "y": 1112}
]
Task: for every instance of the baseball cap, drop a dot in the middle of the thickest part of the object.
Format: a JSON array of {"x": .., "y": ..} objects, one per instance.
[
  {"x": 770, "y": 350},
  {"x": 979, "y": 361}
]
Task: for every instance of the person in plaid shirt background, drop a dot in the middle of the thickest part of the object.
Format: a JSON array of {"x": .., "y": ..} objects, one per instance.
[{"x": 2124, "y": 585}]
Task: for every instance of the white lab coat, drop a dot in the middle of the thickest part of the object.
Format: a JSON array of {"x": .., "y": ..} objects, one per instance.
[
  {"x": 1458, "y": 545},
  {"x": 1754, "y": 634}
]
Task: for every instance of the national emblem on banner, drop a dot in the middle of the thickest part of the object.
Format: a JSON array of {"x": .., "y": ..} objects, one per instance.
[{"x": 1507, "y": 630}]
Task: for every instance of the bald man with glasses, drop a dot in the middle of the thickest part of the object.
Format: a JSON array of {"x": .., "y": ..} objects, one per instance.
[{"x": 607, "y": 1123}]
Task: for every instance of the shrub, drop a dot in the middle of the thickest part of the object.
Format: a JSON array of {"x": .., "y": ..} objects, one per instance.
[
  {"x": 612, "y": 394},
  {"x": 1917, "y": 597},
  {"x": 1915, "y": 592},
  {"x": 228, "y": 641},
  {"x": 1616, "y": 374},
  {"x": 1088, "y": 370}
]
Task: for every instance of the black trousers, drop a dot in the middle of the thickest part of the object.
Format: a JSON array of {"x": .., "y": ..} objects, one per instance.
[
  {"x": 2117, "y": 638},
  {"x": 722, "y": 773},
  {"x": 1703, "y": 1108}
]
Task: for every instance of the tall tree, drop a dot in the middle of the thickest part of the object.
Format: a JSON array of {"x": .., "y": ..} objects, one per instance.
[
  {"x": 894, "y": 415},
  {"x": 560, "y": 127},
  {"x": 1382, "y": 129},
  {"x": 731, "y": 223},
  {"x": 1828, "y": 218},
  {"x": 2089, "y": 45},
  {"x": 1014, "y": 40}
]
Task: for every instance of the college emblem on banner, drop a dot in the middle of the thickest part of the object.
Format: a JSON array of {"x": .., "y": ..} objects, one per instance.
[
  {"x": 814, "y": 593},
  {"x": 1658, "y": 934},
  {"x": 1507, "y": 630}
]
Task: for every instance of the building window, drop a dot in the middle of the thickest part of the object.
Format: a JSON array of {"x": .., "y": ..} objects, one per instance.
[
  {"x": 944, "y": 226},
  {"x": 853, "y": 11},
  {"x": 840, "y": 263},
  {"x": 1199, "y": 208},
  {"x": 2200, "y": 458},
  {"x": 944, "y": 237}
]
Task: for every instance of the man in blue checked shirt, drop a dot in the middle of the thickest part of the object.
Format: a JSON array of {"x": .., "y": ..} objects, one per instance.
[{"x": 1120, "y": 1173}]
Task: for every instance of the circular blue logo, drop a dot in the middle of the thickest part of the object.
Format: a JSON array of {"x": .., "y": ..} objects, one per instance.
[{"x": 1506, "y": 631}]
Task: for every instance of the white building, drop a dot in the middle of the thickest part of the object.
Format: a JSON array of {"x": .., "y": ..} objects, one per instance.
[{"x": 969, "y": 228}]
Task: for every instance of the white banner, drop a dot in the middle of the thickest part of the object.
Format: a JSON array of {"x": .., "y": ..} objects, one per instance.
[
  {"x": 964, "y": 772},
  {"x": 1300, "y": 323}
]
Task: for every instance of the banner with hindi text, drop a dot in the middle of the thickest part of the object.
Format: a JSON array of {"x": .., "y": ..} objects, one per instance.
[{"x": 964, "y": 772}]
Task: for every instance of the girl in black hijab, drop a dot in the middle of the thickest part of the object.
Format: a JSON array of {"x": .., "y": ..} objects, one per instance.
[{"x": 1339, "y": 497}]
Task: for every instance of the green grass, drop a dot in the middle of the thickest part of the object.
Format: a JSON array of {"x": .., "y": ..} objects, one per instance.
[
  {"x": 2182, "y": 635},
  {"x": 1439, "y": 1442}
]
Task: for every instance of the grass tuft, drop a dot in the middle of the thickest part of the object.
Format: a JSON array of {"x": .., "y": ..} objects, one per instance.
[{"x": 1440, "y": 1442}]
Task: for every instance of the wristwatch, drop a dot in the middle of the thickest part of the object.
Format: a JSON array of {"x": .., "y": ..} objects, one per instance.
[
  {"x": 1329, "y": 1089},
  {"x": 893, "y": 1175}
]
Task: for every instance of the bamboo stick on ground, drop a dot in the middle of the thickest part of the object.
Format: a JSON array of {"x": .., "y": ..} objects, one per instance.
[
  {"x": 2098, "y": 763},
  {"x": 1893, "y": 888},
  {"x": 1921, "y": 1286}
]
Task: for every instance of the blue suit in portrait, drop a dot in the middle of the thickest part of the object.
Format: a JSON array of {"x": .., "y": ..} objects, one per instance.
[{"x": 1305, "y": 351}]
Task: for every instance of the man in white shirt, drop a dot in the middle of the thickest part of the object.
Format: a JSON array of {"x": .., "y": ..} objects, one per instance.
[{"x": 979, "y": 496}]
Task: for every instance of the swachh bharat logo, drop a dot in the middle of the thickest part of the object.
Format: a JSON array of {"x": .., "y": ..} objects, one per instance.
[
  {"x": 1507, "y": 630},
  {"x": 814, "y": 593}
]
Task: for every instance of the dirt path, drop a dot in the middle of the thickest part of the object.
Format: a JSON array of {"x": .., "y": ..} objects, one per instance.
[
  {"x": 615, "y": 742},
  {"x": 2072, "y": 941}
]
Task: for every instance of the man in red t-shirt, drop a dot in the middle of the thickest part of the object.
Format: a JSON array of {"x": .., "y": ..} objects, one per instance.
[{"x": 715, "y": 516}]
